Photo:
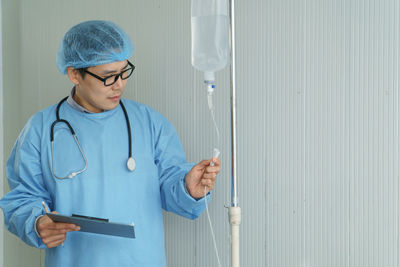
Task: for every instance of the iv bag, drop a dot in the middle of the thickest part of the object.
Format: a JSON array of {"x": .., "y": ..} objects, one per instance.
[{"x": 210, "y": 31}]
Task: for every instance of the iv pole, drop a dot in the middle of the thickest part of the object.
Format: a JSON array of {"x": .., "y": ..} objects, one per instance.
[{"x": 234, "y": 209}]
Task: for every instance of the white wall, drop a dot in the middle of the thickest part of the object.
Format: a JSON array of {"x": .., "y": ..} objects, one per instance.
[{"x": 318, "y": 119}]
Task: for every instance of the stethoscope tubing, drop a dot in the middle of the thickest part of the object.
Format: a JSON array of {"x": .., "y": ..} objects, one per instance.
[
  {"x": 128, "y": 126},
  {"x": 58, "y": 120}
]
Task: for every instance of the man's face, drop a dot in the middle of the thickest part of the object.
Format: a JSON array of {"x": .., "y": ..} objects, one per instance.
[{"x": 93, "y": 95}]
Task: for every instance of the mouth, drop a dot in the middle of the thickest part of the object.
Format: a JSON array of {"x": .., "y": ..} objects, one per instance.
[{"x": 115, "y": 98}]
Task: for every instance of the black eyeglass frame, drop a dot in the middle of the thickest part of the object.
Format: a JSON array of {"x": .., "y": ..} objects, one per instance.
[{"x": 132, "y": 68}]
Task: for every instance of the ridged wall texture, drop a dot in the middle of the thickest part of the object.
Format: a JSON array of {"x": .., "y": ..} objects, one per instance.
[{"x": 317, "y": 117}]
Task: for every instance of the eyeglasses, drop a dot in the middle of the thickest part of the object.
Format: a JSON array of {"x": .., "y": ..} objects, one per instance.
[{"x": 110, "y": 80}]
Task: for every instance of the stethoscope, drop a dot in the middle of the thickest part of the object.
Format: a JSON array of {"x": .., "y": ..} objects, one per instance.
[{"x": 131, "y": 164}]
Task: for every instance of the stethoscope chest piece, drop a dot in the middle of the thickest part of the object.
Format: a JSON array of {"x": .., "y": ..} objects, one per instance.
[{"x": 131, "y": 164}]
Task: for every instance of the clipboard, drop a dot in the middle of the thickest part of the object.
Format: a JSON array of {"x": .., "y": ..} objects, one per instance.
[{"x": 96, "y": 225}]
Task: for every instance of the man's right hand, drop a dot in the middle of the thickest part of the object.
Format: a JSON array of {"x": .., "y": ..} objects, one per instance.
[{"x": 54, "y": 233}]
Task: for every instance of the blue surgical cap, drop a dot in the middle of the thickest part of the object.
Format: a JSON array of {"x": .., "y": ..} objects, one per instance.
[{"x": 93, "y": 43}]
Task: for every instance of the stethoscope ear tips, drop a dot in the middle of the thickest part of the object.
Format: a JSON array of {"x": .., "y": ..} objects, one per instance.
[{"x": 131, "y": 164}]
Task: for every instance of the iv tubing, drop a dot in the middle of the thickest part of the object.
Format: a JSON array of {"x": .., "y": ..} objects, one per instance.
[
  {"x": 211, "y": 227},
  {"x": 210, "y": 91}
]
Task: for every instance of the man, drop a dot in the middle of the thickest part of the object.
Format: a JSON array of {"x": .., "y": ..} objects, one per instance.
[{"x": 74, "y": 157}]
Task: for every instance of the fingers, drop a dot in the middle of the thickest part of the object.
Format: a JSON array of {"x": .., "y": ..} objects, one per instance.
[
  {"x": 63, "y": 226},
  {"x": 54, "y": 240},
  {"x": 210, "y": 175},
  {"x": 211, "y": 172},
  {"x": 203, "y": 164},
  {"x": 214, "y": 169},
  {"x": 54, "y": 233},
  {"x": 208, "y": 183},
  {"x": 216, "y": 161},
  {"x": 54, "y": 244},
  {"x": 45, "y": 223},
  {"x": 206, "y": 164},
  {"x": 44, "y": 233}
]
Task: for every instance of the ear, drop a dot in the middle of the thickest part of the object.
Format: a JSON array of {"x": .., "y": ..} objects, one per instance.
[{"x": 73, "y": 75}]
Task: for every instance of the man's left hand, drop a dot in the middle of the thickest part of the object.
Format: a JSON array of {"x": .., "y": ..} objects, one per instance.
[{"x": 202, "y": 175}]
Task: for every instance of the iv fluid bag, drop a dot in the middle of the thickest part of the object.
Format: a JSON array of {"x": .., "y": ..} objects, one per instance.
[{"x": 210, "y": 31}]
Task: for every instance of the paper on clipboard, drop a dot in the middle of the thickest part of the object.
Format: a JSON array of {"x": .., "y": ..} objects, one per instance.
[{"x": 96, "y": 225}]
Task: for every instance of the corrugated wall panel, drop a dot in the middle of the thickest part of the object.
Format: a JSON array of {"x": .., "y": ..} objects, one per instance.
[
  {"x": 252, "y": 106},
  {"x": 374, "y": 133},
  {"x": 326, "y": 181},
  {"x": 278, "y": 83},
  {"x": 317, "y": 110}
]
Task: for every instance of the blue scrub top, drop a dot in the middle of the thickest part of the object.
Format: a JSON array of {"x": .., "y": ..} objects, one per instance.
[{"x": 107, "y": 189}]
